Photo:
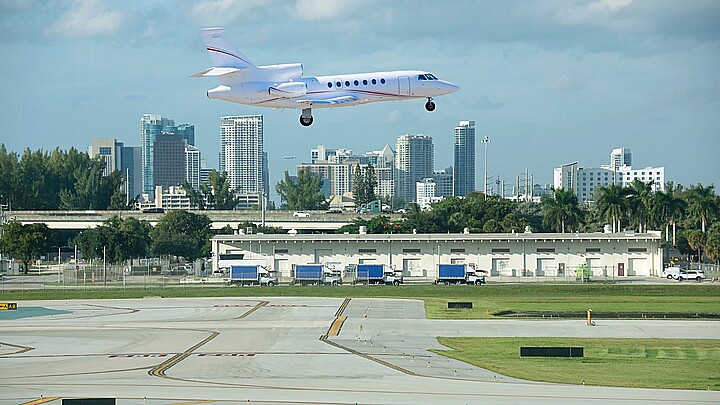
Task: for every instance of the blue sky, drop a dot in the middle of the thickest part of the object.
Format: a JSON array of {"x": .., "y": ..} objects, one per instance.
[{"x": 549, "y": 81}]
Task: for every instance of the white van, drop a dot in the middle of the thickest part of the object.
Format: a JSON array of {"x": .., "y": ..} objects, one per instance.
[{"x": 671, "y": 273}]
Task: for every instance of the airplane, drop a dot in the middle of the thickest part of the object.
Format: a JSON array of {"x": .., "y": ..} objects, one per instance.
[{"x": 283, "y": 86}]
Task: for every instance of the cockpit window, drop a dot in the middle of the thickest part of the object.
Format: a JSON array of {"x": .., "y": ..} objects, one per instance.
[
  {"x": 422, "y": 77},
  {"x": 430, "y": 76}
]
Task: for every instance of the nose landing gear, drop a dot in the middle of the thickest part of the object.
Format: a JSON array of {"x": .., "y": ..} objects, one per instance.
[
  {"x": 430, "y": 105},
  {"x": 306, "y": 118}
]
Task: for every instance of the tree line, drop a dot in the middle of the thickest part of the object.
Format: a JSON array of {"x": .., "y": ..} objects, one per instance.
[
  {"x": 687, "y": 218},
  {"x": 177, "y": 234},
  {"x": 66, "y": 180}
]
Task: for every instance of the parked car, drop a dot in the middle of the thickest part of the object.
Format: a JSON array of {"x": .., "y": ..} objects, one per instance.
[
  {"x": 691, "y": 275},
  {"x": 301, "y": 214},
  {"x": 671, "y": 272},
  {"x": 334, "y": 211}
]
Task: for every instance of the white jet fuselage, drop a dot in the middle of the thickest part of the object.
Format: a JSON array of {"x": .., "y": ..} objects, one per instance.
[{"x": 345, "y": 89}]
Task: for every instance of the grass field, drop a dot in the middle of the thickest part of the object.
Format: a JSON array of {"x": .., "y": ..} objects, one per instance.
[
  {"x": 648, "y": 363},
  {"x": 487, "y": 300}
]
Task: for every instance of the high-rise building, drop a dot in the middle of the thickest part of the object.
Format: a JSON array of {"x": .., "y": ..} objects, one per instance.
[
  {"x": 205, "y": 174},
  {"x": 620, "y": 157},
  {"x": 192, "y": 166},
  {"x": 169, "y": 162},
  {"x": 585, "y": 181},
  {"x": 187, "y": 132},
  {"x": 241, "y": 153},
  {"x": 414, "y": 156},
  {"x": 464, "y": 167},
  {"x": 109, "y": 150},
  {"x": 443, "y": 182},
  {"x": 131, "y": 169},
  {"x": 125, "y": 159},
  {"x": 151, "y": 126}
]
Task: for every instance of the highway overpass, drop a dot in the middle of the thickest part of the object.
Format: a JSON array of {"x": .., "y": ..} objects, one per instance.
[{"x": 318, "y": 220}]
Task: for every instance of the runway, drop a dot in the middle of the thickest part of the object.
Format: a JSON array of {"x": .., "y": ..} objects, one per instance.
[{"x": 284, "y": 351}]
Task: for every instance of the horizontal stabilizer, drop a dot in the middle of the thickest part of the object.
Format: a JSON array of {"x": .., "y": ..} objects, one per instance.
[{"x": 214, "y": 72}]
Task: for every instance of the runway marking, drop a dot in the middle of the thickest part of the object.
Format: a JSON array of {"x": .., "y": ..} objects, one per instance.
[
  {"x": 137, "y": 355},
  {"x": 255, "y": 308},
  {"x": 22, "y": 349},
  {"x": 40, "y": 401},
  {"x": 225, "y": 354},
  {"x": 336, "y": 325},
  {"x": 342, "y": 308},
  {"x": 159, "y": 371}
]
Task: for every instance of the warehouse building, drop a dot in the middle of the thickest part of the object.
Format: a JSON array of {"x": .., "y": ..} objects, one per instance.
[{"x": 615, "y": 255}]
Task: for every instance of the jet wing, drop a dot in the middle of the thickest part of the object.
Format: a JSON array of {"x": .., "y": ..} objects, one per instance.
[{"x": 334, "y": 99}]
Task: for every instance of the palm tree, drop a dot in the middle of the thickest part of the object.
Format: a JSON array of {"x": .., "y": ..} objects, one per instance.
[
  {"x": 611, "y": 203},
  {"x": 667, "y": 207},
  {"x": 561, "y": 210},
  {"x": 703, "y": 203},
  {"x": 639, "y": 196}
]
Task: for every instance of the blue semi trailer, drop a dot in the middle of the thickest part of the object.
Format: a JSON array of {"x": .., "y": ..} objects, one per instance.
[
  {"x": 252, "y": 275},
  {"x": 458, "y": 274},
  {"x": 377, "y": 274}
]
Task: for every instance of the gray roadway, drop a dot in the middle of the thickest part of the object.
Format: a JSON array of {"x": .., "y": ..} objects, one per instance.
[{"x": 173, "y": 351}]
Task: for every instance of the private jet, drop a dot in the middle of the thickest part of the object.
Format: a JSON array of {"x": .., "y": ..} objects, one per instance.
[{"x": 283, "y": 86}]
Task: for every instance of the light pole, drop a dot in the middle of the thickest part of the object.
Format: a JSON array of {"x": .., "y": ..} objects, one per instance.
[{"x": 486, "y": 142}]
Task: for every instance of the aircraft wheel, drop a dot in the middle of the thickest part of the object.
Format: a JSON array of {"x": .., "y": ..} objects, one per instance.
[
  {"x": 306, "y": 122},
  {"x": 430, "y": 106},
  {"x": 669, "y": 277}
]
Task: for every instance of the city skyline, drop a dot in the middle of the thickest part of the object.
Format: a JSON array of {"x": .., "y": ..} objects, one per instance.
[{"x": 550, "y": 82}]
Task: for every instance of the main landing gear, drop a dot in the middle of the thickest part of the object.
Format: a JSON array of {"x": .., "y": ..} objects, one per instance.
[
  {"x": 430, "y": 105},
  {"x": 306, "y": 118}
]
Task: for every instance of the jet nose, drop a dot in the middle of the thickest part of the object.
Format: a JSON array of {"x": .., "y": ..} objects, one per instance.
[{"x": 447, "y": 87}]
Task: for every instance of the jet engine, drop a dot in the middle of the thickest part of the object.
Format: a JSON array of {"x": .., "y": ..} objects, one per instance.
[{"x": 288, "y": 89}]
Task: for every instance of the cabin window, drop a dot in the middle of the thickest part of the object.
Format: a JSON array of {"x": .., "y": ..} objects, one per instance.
[
  {"x": 364, "y": 82},
  {"x": 356, "y": 82},
  {"x": 374, "y": 81},
  {"x": 329, "y": 85},
  {"x": 347, "y": 83},
  {"x": 338, "y": 84},
  {"x": 382, "y": 81}
]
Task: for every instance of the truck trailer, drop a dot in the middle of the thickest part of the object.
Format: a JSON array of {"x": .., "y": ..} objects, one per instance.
[
  {"x": 377, "y": 274},
  {"x": 252, "y": 275},
  {"x": 316, "y": 274},
  {"x": 458, "y": 274}
]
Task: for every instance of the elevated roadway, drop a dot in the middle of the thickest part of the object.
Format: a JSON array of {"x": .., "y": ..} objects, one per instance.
[{"x": 318, "y": 220}]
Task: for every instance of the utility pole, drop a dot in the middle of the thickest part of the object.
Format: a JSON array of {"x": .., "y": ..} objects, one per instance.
[
  {"x": 262, "y": 221},
  {"x": 486, "y": 142}
]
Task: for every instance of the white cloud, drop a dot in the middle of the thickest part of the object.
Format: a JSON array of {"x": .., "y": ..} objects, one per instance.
[
  {"x": 593, "y": 12},
  {"x": 224, "y": 12},
  {"x": 323, "y": 10},
  {"x": 87, "y": 19}
]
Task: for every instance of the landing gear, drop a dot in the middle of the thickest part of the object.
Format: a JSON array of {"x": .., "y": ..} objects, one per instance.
[
  {"x": 306, "y": 118},
  {"x": 430, "y": 105}
]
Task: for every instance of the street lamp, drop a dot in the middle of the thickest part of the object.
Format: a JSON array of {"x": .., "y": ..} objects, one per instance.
[{"x": 486, "y": 142}]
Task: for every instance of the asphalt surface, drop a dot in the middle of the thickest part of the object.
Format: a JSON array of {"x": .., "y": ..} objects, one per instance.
[{"x": 284, "y": 350}]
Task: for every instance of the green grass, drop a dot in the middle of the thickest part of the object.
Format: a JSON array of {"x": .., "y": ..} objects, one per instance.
[
  {"x": 486, "y": 299},
  {"x": 648, "y": 363}
]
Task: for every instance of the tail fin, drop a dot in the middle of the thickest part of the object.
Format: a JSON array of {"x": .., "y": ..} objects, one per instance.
[{"x": 222, "y": 53}]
